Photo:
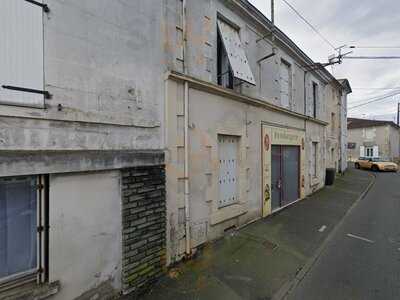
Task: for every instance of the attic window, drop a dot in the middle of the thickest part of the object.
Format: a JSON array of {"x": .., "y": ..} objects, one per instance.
[{"x": 235, "y": 54}]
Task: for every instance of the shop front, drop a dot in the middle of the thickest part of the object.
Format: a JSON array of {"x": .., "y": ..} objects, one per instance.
[{"x": 283, "y": 159}]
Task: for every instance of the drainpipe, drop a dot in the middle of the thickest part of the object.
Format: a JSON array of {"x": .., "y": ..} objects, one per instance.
[
  {"x": 305, "y": 93},
  {"x": 186, "y": 171},
  {"x": 186, "y": 136}
]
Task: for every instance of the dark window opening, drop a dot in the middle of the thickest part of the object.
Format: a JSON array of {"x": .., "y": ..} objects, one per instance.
[
  {"x": 315, "y": 99},
  {"x": 225, "y": 76}
]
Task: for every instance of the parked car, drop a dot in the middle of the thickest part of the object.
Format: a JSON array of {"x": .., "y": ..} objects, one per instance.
[{"x": 376, "y": 164}]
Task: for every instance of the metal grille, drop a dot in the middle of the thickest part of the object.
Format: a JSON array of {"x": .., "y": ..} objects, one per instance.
[{"x": 228, "y": 148}]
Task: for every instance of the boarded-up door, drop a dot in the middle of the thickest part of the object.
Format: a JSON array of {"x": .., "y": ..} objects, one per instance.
[{"x": 228, "y": 150}]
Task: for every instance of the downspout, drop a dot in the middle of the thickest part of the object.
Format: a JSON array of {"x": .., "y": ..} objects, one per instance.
[
  {"x": 186, "y": 136},
  {"x": 305, "y": 93}
]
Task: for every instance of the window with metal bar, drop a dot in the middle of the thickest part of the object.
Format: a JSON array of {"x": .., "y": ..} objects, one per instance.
[{"x": 22, "y": 226}]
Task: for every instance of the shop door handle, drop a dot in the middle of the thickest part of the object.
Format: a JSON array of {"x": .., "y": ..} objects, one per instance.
[{"x": 279, "y": 184}]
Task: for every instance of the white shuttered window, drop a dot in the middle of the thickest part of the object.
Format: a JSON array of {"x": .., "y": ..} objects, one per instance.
[
  {"x": 286, "y": 84},
  {"x": 21, "y": 52}
]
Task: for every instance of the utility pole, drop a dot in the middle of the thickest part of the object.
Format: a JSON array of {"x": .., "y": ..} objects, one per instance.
[{"x": 273, "y": 24}]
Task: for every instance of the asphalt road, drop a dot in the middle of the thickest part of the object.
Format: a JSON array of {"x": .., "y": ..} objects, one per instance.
[{"x": 362, "y": 260}]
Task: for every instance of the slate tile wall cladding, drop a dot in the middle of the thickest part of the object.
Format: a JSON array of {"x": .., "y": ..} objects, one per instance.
[{"x": 144, "y": 226}]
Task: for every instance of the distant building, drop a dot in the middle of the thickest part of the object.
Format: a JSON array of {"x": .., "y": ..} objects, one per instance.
[{"x": 372, "y": 138}]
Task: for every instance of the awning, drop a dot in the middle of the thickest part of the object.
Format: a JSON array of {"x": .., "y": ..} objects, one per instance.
[{"x": 236, "y": 54}]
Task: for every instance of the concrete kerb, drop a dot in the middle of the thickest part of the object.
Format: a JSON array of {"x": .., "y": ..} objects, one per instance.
[{"x": 286, "y": 289}]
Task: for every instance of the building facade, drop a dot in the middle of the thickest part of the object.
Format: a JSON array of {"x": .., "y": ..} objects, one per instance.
[
  {"x": 246, "y": 121},
  {"x": 133, "y": 133},
  {"x": 82, "y": 193},
  {"x": 373, "y": 138},
  {"x": 343, "y": 124},
  {"x": 336, "y": 131}
]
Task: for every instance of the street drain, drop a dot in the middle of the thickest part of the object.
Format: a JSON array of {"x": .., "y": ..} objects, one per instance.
[{"x": 270, "y": 246}]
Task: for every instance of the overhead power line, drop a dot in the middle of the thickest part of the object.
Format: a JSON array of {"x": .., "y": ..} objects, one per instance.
[
  {"x": 374, "y": 47},
  {"x": 371, "y": 57},
  {"x": 363, "y": 100},
  {"x": 375, "y": 100},
  {"x": 374, "y": 88},
  {"x": 309, "y": 24}
]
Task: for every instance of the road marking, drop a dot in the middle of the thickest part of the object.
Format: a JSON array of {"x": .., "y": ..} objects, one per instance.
[
  {"x": 360, "y": 238},
  {"x": 322, "y": 229}
]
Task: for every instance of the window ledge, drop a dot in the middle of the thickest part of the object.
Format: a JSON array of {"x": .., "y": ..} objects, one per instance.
[{"x": 31, "y": 291}]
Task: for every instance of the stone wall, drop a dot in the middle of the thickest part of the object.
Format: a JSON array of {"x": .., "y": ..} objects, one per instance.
[{"x": 144, "y": 226}]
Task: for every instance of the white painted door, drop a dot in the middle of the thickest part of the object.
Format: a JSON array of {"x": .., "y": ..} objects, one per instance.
[
  {"x": 362, "y": 151},
  {"x": 228, "y": 149},
  {"x": 21, "y": 52},
  {"x": 375, "y": 151}
]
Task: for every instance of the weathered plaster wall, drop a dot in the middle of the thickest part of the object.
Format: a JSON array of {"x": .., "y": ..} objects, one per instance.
[
  {"x": 343, "y": 131},
  {"x": 103, "y": 63},
  {"x": 333, "y": 130},
  {"x": 210, "y": 115},
  {"x": 85, "y": 231},
  {"x": 201, "y": 52},
  {"x": 315, "y": 133}
]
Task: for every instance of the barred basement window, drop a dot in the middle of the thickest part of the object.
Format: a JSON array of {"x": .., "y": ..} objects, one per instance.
[{"x": 23, "y": 229}]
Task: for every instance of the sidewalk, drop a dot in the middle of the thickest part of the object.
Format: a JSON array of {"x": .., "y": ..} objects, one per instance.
[{"x": 256, "y": 261}]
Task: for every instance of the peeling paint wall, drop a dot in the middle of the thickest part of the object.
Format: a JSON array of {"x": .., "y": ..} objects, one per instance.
[
  {"x": 344, "y": 132},
  {"x": 201, "y": 53},
  {"x": 334, "y": 129},
  {"x": 105, "y": 75},
  {"x": 85, "y": 242},
  {"x": 209, "y": 116}
]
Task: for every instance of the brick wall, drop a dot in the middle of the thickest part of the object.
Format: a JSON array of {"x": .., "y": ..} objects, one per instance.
[{"x": 144, "y": 226}]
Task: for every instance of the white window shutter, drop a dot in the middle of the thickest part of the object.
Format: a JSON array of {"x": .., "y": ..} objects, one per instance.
[
  {"x": 21, "y": 52},
  {"x": 236, "y": 53},
  {"x": 362, "y": 151},
  {"x": 285, "y": 83},
  {"x": 375, "y": 151}
]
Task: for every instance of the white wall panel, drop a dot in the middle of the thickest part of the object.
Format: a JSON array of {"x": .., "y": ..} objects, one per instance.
[{"x": 21, "y": 52}]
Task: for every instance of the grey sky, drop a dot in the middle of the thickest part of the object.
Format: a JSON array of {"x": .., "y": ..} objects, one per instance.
[{"x": 351, "y": 22}]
